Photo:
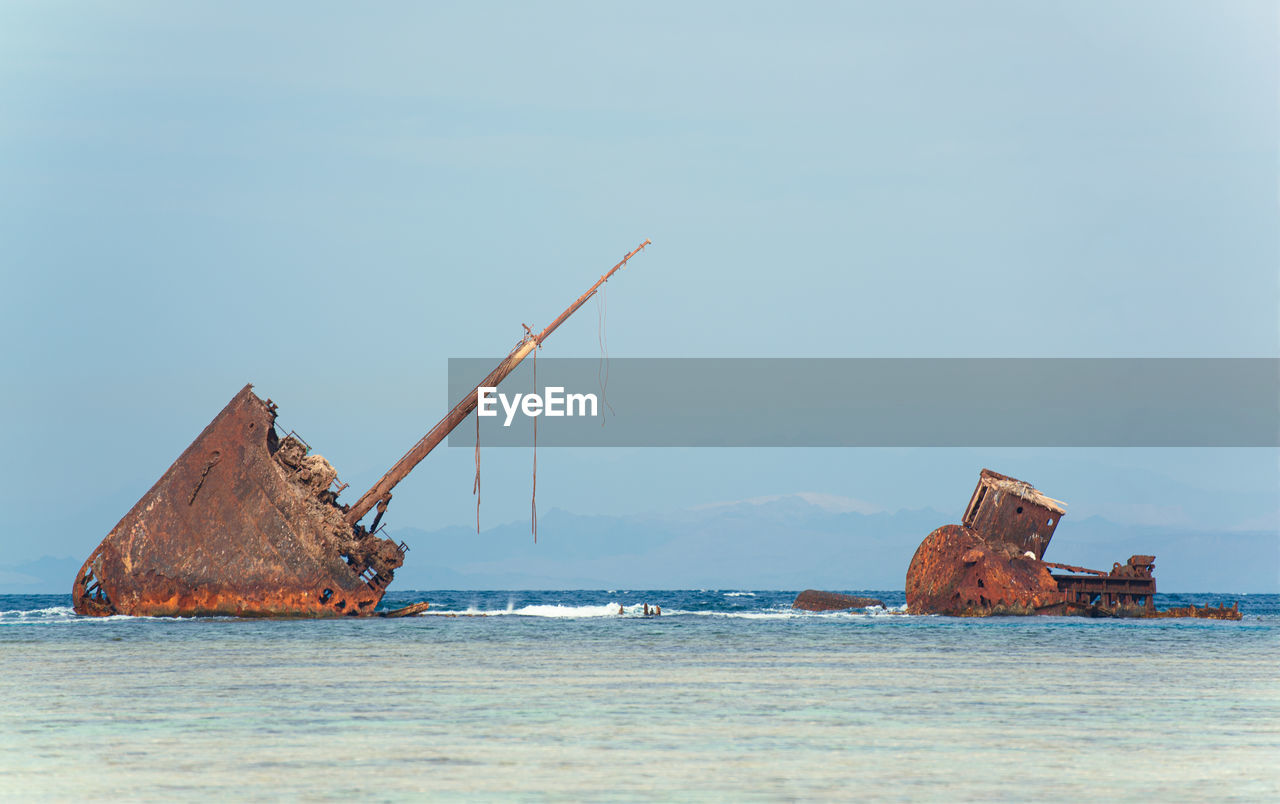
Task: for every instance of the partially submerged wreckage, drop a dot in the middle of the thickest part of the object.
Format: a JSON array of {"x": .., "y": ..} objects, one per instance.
[
  {"x": 993, "y": 563},
  {"x": 815, "y": 600},
  {"x": 247, "y": 521}
]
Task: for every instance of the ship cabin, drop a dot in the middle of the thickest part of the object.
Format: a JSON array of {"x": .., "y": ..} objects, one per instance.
[{"x": 1007, "y": 510}]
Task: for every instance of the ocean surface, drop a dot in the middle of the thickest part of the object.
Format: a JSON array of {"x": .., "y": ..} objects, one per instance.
[{"x": 729, "y": 695}]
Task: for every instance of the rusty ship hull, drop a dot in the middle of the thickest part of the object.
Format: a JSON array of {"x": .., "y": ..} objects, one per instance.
[
  {"x": 993, "y": 564},
  {"x": 232, "y": 529},
  {"x": 247, "y": 521}
]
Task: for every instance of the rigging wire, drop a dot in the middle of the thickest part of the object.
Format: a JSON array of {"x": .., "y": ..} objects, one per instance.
[
  {"x": 602, "y": 370},
  {"x": 476, "y": 488},
  {"x": 534, "y": 501}
]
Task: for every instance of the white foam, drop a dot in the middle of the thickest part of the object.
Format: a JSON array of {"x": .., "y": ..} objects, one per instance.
[
  {"x": 55, "y": 615},
  {"x": 739, "y": 594},
  {"x": 555, "y": 611},
  {"x": 607, "y": 610},
  {"x": 792, "y": 614},
  {"x": 637, "y": 610},
  {"x": 52, "y": 611}
]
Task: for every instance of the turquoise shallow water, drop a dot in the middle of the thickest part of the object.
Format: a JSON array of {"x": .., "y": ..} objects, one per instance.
[{"x": 728, "y": 695}]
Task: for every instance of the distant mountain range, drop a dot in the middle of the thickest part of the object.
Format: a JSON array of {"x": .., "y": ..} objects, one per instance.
[{"x": 784, "y": 542}]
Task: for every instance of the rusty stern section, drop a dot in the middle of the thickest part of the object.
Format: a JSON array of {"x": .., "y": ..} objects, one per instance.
[
  {"x": 244, "y": 523},
  {"x": 993, "y": 563}
]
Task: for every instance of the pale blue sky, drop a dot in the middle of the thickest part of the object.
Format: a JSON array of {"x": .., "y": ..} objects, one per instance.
[{"x": 329, "y": 201}]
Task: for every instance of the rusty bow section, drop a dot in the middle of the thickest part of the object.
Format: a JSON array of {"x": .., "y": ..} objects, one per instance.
[
  {"x": 247, "y": 522},
  {"x": 244, "y": 523},
  {"x": 993, "y": 563}
]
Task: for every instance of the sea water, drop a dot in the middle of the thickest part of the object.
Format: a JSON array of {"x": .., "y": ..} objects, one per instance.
[{"x": 728, "y": 695}]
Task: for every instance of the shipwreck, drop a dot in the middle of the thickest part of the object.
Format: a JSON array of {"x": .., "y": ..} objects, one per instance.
[
  {"x": 993, "y": 563},
  {"x": 247, "y": 521}
]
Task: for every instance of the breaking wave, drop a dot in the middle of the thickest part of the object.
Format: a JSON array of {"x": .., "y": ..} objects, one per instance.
[
  {"x": 556, "y": 610},
  {"x": 51, "y": 615},
  {"x": 789, "y": 613},
  {"x": 622, "y": 611}
]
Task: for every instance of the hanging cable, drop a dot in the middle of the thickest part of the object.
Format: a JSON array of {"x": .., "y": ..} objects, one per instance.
[
  {"x": 476, "y": 488},
  {"x": 602, "y": 370},
  {"x": 535, "y": 450}
]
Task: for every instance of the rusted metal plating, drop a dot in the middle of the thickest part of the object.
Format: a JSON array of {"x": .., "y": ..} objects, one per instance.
[
  {"x": 244, "y": 523},
  {"x": 993, "y": 564}
]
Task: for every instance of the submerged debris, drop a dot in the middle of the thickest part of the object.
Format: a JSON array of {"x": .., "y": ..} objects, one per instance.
[
  {"x": 1219, "y": 612},
  {"x": 411, "y": 610},
  {"x": 813, "y": 600}
]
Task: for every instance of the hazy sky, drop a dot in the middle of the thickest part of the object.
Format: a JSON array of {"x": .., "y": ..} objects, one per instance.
[{"x": 330, "y": 201}]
